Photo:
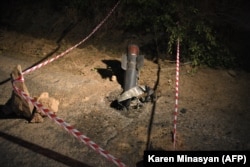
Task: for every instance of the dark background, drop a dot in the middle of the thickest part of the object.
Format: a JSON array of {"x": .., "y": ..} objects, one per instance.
[{"x": 212, "y": 32}]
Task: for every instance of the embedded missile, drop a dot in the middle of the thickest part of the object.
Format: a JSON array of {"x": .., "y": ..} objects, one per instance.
[{"x": 131, "y": 64}]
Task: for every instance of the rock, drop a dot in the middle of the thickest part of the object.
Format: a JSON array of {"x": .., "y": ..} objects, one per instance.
[
  {"x": 48, "y": 102},
  {"x": 113, "y": 78},
  {"x": 37, "y": 118},
  {"x": 16, "y": 103}
]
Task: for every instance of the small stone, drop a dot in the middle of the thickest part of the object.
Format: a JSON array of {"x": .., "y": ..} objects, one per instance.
[
  {"x": 48, "y": 102},
  {"x": 37, "y": 118},
  {"x": 113, "y": 78}
]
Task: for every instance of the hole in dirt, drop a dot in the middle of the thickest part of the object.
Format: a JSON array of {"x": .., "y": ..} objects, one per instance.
[{"x": 130, "y": 112}]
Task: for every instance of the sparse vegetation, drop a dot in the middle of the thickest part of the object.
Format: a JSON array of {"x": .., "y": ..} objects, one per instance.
[
  {"x": 212, "y": 32},
  {"x": 198, "y": 24}
]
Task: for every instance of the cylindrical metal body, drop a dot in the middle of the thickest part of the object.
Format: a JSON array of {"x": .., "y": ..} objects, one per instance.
[
  {"x": 131, "y": 74},
  {"x": 131, "y": 71}
]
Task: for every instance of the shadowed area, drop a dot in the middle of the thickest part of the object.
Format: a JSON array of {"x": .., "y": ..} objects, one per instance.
[{"x": 43, "y": 151}]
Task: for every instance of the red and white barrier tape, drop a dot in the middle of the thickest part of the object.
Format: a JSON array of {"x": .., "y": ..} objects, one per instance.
[
  {"x": 75, "y": 46},
  {"x": 51, "y": 114},
  {"x": 176, "y": 91},
  {"x": 70, "y": 129}
]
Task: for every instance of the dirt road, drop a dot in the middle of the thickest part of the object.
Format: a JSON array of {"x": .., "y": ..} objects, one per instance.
[{"x": 213, "y": 111}]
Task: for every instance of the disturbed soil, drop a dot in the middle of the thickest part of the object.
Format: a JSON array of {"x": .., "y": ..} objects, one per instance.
[{"x": 213, "y": 106}]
